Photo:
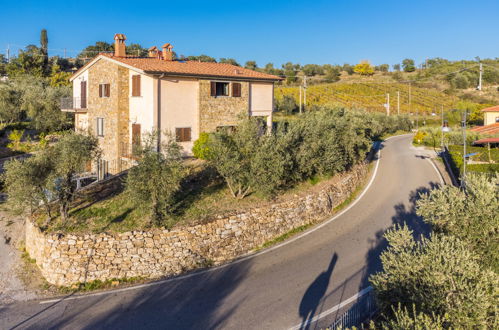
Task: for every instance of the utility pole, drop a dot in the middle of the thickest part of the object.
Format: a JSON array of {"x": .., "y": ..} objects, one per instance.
[
  {"x": 64, "y": 52},
  {"x": 463, "y": 179},
  {"x": 387, "y": 105},
  {"x": 8, "y": 53},
  {"x": 442, "y": 139},
  {"x": 398, "y": 102},
  {"x": 305, "y": 91},
  {"x": 300, "y": 99},
  {"x": 410, "y": 106},
  {"x": 480, "y": 78}
]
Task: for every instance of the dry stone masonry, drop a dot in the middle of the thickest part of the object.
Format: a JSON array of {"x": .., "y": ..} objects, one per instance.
[{"x": 65, "y": 259}]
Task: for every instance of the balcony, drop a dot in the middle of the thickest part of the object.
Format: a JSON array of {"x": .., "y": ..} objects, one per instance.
[{"x": 74, "y": 104}]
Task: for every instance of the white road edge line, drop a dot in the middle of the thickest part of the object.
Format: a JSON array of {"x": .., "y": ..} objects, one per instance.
[
  {"x": 334, "y": 308},
  {"x": 442, "y": 183},
  {"x": 140, "y": 286}
]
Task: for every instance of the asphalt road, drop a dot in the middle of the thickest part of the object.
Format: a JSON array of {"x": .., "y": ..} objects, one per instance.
[{"x": 280, "y": 288}]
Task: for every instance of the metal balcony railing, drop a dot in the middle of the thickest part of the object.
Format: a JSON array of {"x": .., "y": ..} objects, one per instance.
[{"x": 73, "y": 104}]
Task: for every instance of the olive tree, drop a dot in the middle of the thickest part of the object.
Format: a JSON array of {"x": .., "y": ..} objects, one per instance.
[
  {"x": 472, "y": 215},
  {"x": 438, "y": 275},
  {"x": 27, "y": 183},
  {"x": 250, "y": 160},
  {"x": 49, "y": 175},
  {"x": 70, "y": 155},
  {"x": 152, "y": 184}
]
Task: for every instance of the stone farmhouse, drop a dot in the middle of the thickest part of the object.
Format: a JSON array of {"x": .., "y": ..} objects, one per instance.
[{"x": 120, "y": 98}]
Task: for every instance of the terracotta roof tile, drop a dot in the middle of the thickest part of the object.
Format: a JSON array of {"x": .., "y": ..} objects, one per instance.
[
  {"x": 491, "y": 129},
  {"x": 491, "y": 109},
  {"x": 155, "y": 65}
]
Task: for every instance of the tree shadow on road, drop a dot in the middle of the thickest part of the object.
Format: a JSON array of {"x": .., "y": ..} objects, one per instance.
[
  {"x": 195, "y": 302},
  {"x": 315, "y": 293},
  {"x": 404, "y": 215}
]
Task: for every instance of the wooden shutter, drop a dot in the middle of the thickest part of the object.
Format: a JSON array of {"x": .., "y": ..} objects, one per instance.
[
  {"x": 136, "y": 134},
  {"x": 136, "y": 85},
  {"x": 83, "y": 94},
  {"x": 236, "y": 89},
  {"x": 100, "y": 90},
  {"x": 107, "y": 89},
  {"x": 178, "y": 133},
  {"x": 213, "y": 88},
  {"x": 183, "y": 134}
]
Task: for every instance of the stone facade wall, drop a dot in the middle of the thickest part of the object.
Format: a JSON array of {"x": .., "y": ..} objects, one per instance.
[
  {"x": 68, "y": 259},
  {"x": 114, "y": 109},
  {"x": 221, "y": 110}
]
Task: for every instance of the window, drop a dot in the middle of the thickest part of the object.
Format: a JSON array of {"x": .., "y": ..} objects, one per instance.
[
  {"x": 219, "y": 88},
  {"x": 104, "y": 90},
  {"x": 228, "y": 129},
  {"x": 497, "y": 119},
  {"x": 236, "y": 89},
  {"x": 136, "y": 85},
  {"x": 183, "y": 134},
  {"x": 100, "y": 127}
]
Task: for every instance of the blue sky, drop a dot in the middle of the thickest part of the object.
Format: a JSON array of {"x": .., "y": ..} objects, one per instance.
[{"x": 274, "y": 31}]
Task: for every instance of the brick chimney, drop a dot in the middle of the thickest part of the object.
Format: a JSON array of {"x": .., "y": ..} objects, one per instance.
[
  {"x": 167, "y": 52},
  {"x": 119, "y": 45},
  {"x": 153, "y": 51}
]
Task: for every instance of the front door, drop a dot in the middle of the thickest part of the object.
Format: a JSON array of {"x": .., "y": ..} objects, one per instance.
[{"x": 83, "y": 94}]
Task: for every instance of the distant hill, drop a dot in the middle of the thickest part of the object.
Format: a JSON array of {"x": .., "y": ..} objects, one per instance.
[{"x": 372, "y": 96}]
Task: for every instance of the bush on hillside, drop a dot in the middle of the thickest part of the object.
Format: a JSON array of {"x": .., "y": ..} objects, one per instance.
[{"x": 200, "y": 148}]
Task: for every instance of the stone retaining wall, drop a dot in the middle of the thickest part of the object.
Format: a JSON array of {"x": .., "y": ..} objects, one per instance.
[{"x": 65, "y": 259}]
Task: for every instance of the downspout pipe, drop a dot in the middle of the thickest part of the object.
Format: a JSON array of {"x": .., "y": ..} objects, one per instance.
[{"x": 158, "y": 147}]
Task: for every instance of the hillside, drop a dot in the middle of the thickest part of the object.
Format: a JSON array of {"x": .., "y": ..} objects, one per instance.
[{"x": 372, "y": 96}]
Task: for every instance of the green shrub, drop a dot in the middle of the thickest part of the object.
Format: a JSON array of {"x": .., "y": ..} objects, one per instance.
[
  {"x": 439, "y": 275},
  {"x": 470, "y": 215},
  {"x": 201, "y": 148}
]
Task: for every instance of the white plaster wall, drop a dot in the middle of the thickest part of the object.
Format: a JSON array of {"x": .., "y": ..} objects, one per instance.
[
  {"x": 77, "y": 86},
  {"x": 180, "y": 107},
  {"x": 490, "y": 117},
  {"x": 142, "y": 108},
  {"x": 261, "y": 99},
  {"x": 81, "y": 122}
]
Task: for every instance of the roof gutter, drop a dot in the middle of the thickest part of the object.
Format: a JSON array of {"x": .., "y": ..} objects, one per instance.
[{"x": 186, "y": 75}]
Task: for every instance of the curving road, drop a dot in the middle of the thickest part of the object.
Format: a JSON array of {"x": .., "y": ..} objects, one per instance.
[{"x": 282, "y": 287}]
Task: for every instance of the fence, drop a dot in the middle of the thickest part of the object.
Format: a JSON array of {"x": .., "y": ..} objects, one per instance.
[{"x": 360, "y": 312}]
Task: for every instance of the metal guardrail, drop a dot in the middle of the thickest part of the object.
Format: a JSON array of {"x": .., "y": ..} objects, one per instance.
[
  {"x": 73, "y": 103},
  {"x": 361, "y": 311}
]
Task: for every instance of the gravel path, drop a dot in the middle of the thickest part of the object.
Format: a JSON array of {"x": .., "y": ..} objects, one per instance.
[{"x": 12, "y": 270}]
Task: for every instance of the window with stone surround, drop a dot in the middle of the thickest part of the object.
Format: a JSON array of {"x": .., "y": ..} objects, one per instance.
[
  {"x": 104, "y": 90},
  {"x": 219, "y": 88}
]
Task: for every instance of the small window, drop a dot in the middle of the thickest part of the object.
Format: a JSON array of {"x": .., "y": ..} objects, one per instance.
[
  {"x": 104, "y": 90},
  {"x": 228, "y": 129},
  {"x": 497, "y": 119},
  {"x": 136, "y": 85},
  {"x": 236, "y": 89},
  {"x": 219, "y": 88},
  {"x": 183, "y": 134},
  {"x": 100, "y": 127}
]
